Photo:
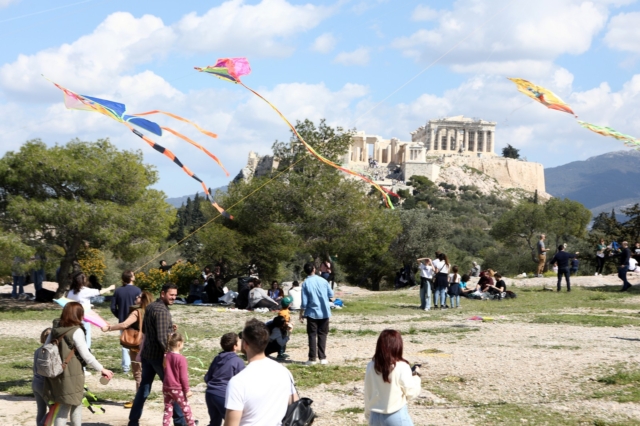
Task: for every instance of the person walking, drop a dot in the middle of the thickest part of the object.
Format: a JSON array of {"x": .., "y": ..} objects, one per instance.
[
  {"x": 441, "y": 265},
  {"x": 426, "y": 279},
  {"x": 67, "y": 389},
  {"x": 157, "y": 326},
  {"x": 389, "y": 382},
  {"x": 623, "y": 265},
  {"x": 562, "y": 260},
  {"x": 136, "y": 317},
  {"x": 316, "y": 295},
  {"x": 542, "y": 254},
  {"x": 175, "y": 385},
  {"x": 600, "y": 249},
  {"x": 121, "y": 302},
  {"x": 262, "y": 391}
]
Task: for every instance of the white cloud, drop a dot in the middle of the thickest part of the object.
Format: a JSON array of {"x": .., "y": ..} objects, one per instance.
[
  {"x": 5, "y": 3},
  {"x": 424, "y": 13},
  {"x": 486, "y": 30},
  {"x": 623, "y": 32},
  {"x": 359, "y": 57},
  {"x": 563, "y": 78},
  {"x": 324, "y": 43},
  {"x": 260, "y": 29}
]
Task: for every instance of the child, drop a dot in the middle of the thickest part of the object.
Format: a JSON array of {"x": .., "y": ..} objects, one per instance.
[
  {"x": 175, "y": 385},
  {"x": 278, "y": 338},
  {"x": 454, "y": 287},
  {"x": 464, "y": 290},
  {"x": 284, "y": 312},
  {"x": 37, "y": 386},
  {"x": 223, "y": 367}
]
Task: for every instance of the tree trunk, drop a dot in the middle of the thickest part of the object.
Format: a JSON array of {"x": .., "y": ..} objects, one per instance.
[{"x": 65, "y": 265}]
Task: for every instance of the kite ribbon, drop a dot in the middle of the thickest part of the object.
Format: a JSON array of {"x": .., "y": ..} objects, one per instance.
[
  {"x": 203, "y": 149},
  {"x": 177, "y": 161},
  {"x": 383, "y": 191},
  {"x": 52, "y": 414}
]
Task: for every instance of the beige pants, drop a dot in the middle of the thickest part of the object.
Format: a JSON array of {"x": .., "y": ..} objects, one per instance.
[
  {"x": 542, "y": 259},
  {"x": 136, "y": 368}
]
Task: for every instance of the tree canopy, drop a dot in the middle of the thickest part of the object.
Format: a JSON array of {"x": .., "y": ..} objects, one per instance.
[
  {"x": 82, "y": 193},
  {"x": 510, "y": 152}
]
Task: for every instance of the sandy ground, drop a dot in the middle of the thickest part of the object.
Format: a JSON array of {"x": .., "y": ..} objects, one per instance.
[{"x": 509, "y": 360}]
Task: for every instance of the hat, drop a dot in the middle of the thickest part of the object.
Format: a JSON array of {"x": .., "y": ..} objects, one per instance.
[{"x": 286, "y": 301}]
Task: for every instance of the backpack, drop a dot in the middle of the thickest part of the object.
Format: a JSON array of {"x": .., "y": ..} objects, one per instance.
[{"x": 49, "y": 362}]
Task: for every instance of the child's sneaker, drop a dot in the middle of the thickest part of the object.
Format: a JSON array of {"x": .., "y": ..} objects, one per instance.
[{"x": 283, "y": 356}]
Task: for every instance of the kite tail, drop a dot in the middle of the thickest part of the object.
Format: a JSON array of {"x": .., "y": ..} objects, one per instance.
[
  {"x": 52, "y": 414},
  {"x": 328, "y": 162},
  {"x": 222, "y": 211},
  {"x": 177, "y": 117},
  {"x": 203, "y": 149},
  {"x": 176, "y": 160}
]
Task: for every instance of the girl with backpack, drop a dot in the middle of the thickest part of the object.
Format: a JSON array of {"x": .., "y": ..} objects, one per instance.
[
  {"x": 441, "y": 265},
  {"x": 67, "y": 389}
]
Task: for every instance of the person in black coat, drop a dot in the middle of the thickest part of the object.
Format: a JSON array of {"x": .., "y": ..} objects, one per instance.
[
  {"x": 562, "y": 259},
  {"x": 623, "y": 266}
]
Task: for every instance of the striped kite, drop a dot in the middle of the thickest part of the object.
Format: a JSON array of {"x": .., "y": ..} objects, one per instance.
[
  {"x": 116, "y": 111},
  {"x": 628, "y": 140},
  {"x": 544, "y": 96},
  {"x": 231, "y": 69}
]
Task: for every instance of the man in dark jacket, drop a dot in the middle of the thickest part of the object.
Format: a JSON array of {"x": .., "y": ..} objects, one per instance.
[
  {"x": 157, "y": 325},
  {"x": 123, "y": 298},
  {"x": 623, "y": 266},
  {"x": 562, "y": 259}
]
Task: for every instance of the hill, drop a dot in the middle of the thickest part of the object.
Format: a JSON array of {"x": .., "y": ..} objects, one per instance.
[
  {"x": 601, "y": 183},
  {"x": 179, "y": 201}
]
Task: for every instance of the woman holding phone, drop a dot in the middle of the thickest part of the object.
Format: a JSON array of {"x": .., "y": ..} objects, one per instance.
[{"x": 389, "y": 382}]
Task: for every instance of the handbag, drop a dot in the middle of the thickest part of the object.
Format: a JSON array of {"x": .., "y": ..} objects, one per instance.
[
  {"x": 299, "y": 413},
  {"x": 131, "y": 338}
]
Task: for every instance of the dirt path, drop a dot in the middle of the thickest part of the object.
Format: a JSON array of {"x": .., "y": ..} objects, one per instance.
[{"x": 471, "y": 369}]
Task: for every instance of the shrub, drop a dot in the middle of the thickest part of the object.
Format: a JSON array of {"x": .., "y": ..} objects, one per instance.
[
  {"x": 182, "y": 274},
  {"x": 92, "y": 262}
]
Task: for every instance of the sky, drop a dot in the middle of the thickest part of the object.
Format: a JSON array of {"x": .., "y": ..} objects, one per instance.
[{"x": 384, "y": 67}]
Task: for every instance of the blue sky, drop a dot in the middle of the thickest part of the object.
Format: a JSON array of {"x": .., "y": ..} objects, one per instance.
[{"x": 324, "y": 59}]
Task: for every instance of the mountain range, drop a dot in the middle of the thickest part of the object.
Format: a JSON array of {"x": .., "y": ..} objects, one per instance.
[
  {"x": 179, "y": 201},
  {"x": 601, "y": 183}
]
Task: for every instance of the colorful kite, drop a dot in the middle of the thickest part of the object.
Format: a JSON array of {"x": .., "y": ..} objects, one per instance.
[
  {"x": 231, "y": 69},
  {"x": 90, "y": 316},
  {"x": 608, "y": 131},
  {"x": 116, "y": 111},
  {"x": 544, "y": 96}
]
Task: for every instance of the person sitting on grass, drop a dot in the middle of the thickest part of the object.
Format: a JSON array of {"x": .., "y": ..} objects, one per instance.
[
  {"x": 465, "y": 291},
  {"x": 258, "y": 298},
  {"x": 278, "y": 337},
  {"x": 275, "y": 292}
]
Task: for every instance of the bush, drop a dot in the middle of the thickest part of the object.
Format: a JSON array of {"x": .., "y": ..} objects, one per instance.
[
  {"x": 92, "y": 262},
  {"x": 182, "y": 274}
]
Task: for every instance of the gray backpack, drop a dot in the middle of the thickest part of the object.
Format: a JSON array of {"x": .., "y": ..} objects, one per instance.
[{"x": 49, "y": 362}]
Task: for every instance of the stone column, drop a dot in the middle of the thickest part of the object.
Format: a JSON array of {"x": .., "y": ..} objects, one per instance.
[
  {"x": 486, "y": 141},
  {"x": 466, "y": 139},
  {"x": 432, "y": 135}
]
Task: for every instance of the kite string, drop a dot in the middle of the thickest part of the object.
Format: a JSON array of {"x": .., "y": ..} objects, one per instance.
[{"x": 219, "y": 214}]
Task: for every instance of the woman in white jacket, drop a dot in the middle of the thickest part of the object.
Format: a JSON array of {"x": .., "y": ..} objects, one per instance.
[{"x": 389, "y": 382}]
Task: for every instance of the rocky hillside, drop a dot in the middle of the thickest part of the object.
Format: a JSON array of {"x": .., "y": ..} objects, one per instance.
[{"x": 601, "y": 183}]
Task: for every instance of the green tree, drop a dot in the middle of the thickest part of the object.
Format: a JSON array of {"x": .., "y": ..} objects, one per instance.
[
  {"x": 82, "y": 192},
  {"x": 631, "y": 227},
  {"x": 521, "y": 224},
  {"x": 510, "y": 152},
  {"x": 566, "y": 218}
]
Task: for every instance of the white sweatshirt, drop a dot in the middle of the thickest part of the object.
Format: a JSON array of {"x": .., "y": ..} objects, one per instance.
[
  {"x": 387, "y": 398},
  {"x": 81, "y": 348}
]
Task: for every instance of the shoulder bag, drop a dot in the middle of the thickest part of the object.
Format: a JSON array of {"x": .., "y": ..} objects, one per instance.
[
  {"x": 131, "y": 338},
  {"x": 299, "y": 413}
]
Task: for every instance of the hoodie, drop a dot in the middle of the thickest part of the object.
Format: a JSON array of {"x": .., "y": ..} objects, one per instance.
[{"x": 222, "y": 369}]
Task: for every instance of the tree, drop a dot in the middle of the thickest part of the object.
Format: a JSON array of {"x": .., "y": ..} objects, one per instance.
[
  {"x": 82, "y": 193},
  {"x": 521, "y": 225},
  {"x": 566, "y": 218},
  {"x": 631, "y": 227},
  {"x": 510, "y": 152}
]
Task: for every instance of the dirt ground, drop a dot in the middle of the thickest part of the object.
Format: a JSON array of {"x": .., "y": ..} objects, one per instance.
[{"x": 466, "y": 376}]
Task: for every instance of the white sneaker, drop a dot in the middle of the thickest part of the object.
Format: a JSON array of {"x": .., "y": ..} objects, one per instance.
[
  {"x": 311, "y": 362},
  {"x": 427, "y": 309},
  {"x": 324, "y": 362},
  {"x": 596, "y": 274},
  {"x": 87, "y": 373}
]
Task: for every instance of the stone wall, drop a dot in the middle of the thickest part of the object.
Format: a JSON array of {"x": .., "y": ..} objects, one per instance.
[{"x": 429, "y": 170}]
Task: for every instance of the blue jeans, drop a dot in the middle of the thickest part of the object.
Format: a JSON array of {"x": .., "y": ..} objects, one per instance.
[
  {"x": 325, "y": 275},
  {"x": 399, "y": 418},
  {"x": 18, "y": 282},
  {"x": 37, "y": 276},
  {"x": 622, "y": 274},
  {"x": 215, "y": 406},
  {"x": 151, "y": 367},
  {"x": 126, "y": 359},
  {"x": 441, "y": 296},
  {"x": 455, "y": 301},
  {"x": 425, "y": 293},
  {"x": 565, "y": 272},
  {"x": 41, "y": 403}
]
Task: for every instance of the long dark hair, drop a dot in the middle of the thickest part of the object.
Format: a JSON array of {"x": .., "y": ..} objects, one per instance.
[
  {"x": 443, "y": 257},
  {"x": 78, "y": 281},
  {"x": 388, "y": 353}
]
